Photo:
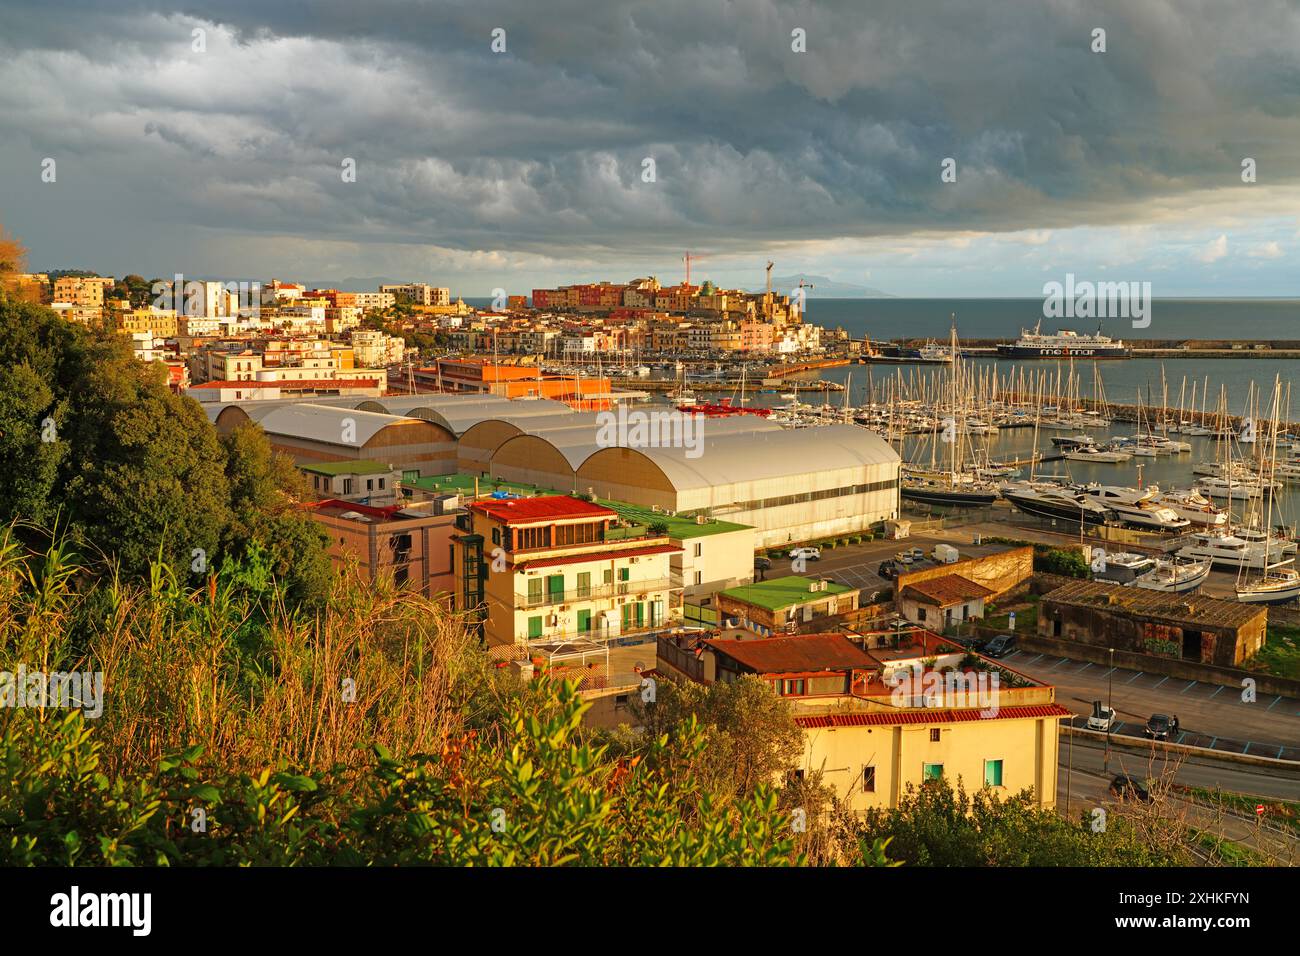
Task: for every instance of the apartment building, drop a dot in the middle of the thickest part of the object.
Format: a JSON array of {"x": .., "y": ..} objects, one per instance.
[
  {"x": 556, "y": 569},
  {"x": 417, "y": 293},
  {"x": 407, "y": 546},
  {"x": 161, "y": 322},
  {"x": 375, "y": 349},
  {"x": 86, "y": 292},
  {"x": 882, "y": 712}
]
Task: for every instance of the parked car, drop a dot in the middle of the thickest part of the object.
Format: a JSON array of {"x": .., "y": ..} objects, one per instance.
[
  {"x": 916, "y": 553},
  {"x": 1129, "y": 788},
  {"x": 1158, "y": 727},
  {"x": 807, "y": 554},
  {"x": 1103, "y": 718},
  {"x": 1000, "y": 646},
  {"x": 888, "y": 570},
  {"x": 903, "y": 558}
]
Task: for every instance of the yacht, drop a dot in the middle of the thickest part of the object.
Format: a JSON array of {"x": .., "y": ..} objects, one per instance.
[
  {"x": 1124, "y": 568},
  {"x": 1093, "y": 453},
  {"x": 1193, "y": 506},
  {"x": 1252, "y": 550},
  {"x": 1174, "y": 577},
  {"x": 1054, "y": 502},
  {"x": 1234, "y": 489},
  {"x": 1135, "y": 508}
]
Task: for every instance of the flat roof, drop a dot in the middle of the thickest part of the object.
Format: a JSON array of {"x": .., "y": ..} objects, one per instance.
[
  {"x": 360, "y": 467},
  {"x": 1191, "y": 609},
  {"x": 783, "y": 592},
  {"x": 544, "y": 508},
  {"x": 803, "y": 653}
]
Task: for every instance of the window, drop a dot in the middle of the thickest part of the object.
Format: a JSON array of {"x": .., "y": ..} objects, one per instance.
[
  {"x": 934, "y": 735},
  {"x": 496, "y": 535},
  {"x": 584, "y": 584},
  {"x": 699, "y": 577},
  {"x": 920, "y": 614},
  {"x": 347, "y": 486},
  {"x": 535, "y": 627},
  {"x": 608, "y": 576},
  {"x": 381, "y": 484},
  {"x": 792, "y": 687},
  {"x": 868, "y": 779},
  {"x": 534, "y": 590},
  {"x": 993, "y": 773},
  {"x": 370, "y": 484},
  {"x": 699, "y": 549},
  {"x": 931, "y": 771}
]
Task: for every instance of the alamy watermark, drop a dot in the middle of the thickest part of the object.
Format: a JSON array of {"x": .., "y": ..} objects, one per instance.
[
  {"x": 635, "y": 428},
  {"x": 82, "y": 690},
  {"x": 209, "y": 299},
  {"x": 1098, "y": 300}
]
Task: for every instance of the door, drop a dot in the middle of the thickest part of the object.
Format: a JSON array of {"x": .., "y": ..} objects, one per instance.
[
  {"x": 555, "y": 588},
  {"x": 584, "y": 621},
  {"x": 534, "y": 627},
  {"x": 640, "y": 613}
]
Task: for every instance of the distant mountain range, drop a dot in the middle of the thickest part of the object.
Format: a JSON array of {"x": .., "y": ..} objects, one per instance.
[{"x": 824, "y": 288}]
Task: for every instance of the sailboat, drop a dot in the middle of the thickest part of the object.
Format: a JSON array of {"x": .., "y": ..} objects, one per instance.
[
  {"x": 957, "y": 487},
  {"x": 1278, "y": 582}
]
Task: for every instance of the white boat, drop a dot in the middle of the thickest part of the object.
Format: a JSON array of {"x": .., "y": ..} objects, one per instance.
[
  {"x": 1234, "y": 489},
  {"x": 1034, "y": 498},
  {"x": 1174, "y": 577},
  {"x": 1093, "y": 453},
  {"x": 1252, "y": 550},
  {"x": 1135, "y": 508},
  {"x": 1123, "y": 568},
  {"x": 1193, "y": 506},
  {"x": 1277, "y": 585}
]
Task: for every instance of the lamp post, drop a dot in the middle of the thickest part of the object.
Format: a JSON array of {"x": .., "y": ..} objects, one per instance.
[{"x": 1110, "y": 710}]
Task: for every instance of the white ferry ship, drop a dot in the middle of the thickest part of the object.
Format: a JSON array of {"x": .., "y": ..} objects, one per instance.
[{"x": 1064, "y": 344}]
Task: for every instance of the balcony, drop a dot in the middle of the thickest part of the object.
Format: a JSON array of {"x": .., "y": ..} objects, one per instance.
[{"x": 597, "y": 592}]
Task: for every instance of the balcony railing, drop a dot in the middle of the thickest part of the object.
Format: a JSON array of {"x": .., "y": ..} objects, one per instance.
[{"x": 596, "y": 592}]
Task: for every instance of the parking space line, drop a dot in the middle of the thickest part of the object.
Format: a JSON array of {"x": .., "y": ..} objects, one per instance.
[
  {"x": 1063, "y": 660},
  {"x": 1246, "y": 749},
  {"x": 1162, "y": 680},
  {"x": 1134, "y": 677},
  {"x": 1188, "y": 687},
  {"x": 1084, "y": 667},
  {"x": 1274, "y": 704},
  {"x": 1218, "y": 692},
  {"x": 1109, "y": 672},
  {"x": 1279, "y": 751},
  {"x": 1037, "y": 659}
]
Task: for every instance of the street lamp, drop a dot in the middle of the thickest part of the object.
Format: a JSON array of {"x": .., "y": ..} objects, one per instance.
[{"x": 1110, "y": 710}]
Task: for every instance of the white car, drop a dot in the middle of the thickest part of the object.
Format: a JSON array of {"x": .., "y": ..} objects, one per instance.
[
  {"x": 806, "y": 554},
  {"x": 1102, "y": 718}
]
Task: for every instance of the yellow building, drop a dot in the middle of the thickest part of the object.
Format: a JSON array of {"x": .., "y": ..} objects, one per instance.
[
  {"x": 555, "y": 569},
  {"x": 882, "y": 712},
  {"x": 161, "y": 322}
]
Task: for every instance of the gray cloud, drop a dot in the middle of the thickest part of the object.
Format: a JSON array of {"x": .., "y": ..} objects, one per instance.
[{"x": 538, "y": 152}]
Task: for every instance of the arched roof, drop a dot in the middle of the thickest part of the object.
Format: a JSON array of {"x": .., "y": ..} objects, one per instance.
[
  {"x": 326, "y": 424},
  {"x": 735, "y": 457}
]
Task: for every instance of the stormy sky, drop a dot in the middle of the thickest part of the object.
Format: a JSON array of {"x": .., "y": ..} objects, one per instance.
[{"x": 479, "y": 169}]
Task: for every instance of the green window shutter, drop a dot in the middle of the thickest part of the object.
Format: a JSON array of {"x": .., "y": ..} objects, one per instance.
[
  {"x": 993, "y": 773},
  {"x": 535, "y": 627},
  {"x": 584, "y": 621},
  {"x": 534, "y": 590},
  {"x": 932, "y": 771},
  {"x": 555, "y": 586},
  {"x": 584, "y": 584}
]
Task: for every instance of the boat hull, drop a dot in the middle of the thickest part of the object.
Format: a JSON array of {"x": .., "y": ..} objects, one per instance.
[
  {"x": 1062, "y": 352},
  {"x": 950, "y": 498},
  {"x": 1040, "y": 509}
]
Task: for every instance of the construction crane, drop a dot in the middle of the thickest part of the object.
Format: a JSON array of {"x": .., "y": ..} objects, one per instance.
[
  {"x": 689, "y": 258},
  {"x": 767, "y": 299},
  {"x": 803, "y": 298}
]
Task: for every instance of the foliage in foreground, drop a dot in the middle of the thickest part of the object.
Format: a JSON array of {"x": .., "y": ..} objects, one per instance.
[{"x": 544, "y": 798}]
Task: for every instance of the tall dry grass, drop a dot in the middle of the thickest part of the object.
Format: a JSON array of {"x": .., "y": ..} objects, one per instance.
[{"x": 255, "y": 684}]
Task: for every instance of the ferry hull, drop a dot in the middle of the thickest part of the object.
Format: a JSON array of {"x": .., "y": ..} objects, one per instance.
[{"x": 1063, "y": 352}]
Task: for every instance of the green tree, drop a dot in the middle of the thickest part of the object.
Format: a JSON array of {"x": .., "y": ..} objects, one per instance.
[{"x": 29, "y": 438}]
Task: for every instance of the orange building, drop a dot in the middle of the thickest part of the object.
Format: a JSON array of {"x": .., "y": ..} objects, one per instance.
[{"x": 519, "y": 381}]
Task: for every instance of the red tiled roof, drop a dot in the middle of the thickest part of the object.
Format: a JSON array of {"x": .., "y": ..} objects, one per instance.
[
  {"x": 599, "y": 556},
  {"x": 924, "y": 716},
  {"x": 947, "y": 590},
  {"x": 338, "y": 505},
  {"x": 806, "y": 652},
  {"x": 544, "y": 508}
]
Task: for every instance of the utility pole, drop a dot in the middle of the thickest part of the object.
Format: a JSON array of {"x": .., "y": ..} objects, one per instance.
[{"x": 1110, "y": 708}]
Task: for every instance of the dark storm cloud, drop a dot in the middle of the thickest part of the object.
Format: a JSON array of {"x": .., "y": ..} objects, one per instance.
[{"x": 540, "y": 150}]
